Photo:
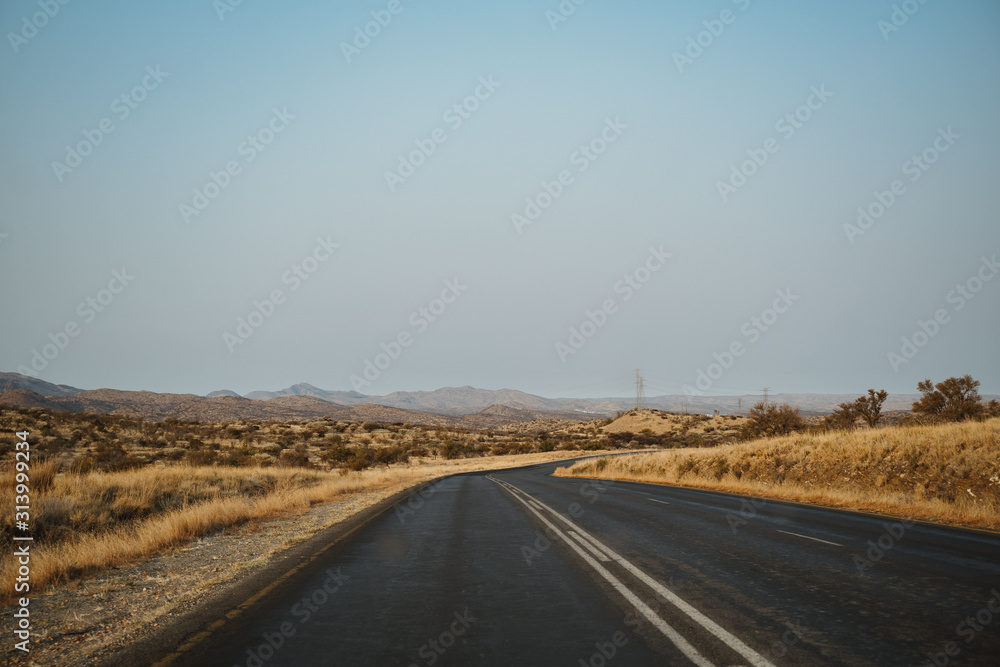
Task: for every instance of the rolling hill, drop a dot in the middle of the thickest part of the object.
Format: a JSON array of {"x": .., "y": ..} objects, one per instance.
[{"x": 449, "y": 405}]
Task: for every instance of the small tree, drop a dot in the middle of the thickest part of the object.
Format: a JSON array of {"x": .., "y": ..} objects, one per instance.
[
  {"x": 843, "y": 417},
  {"x": 767, "y": 419},
  {"x": 869, "y": 407},
  {"x": 954, "y": 399}
]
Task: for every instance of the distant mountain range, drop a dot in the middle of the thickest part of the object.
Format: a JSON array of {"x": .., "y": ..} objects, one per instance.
[
  {"x": 458, "y": 401},
  {"x": 468, "y": 406},
  {"x": 25, "y": 392},
  {"x": 454, "y": 401}
]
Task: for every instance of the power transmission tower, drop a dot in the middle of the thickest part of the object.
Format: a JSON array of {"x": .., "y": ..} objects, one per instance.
[
  {"x": 640, "y": 391},
  {"x": 739, "y": 406},
  {"x": 765, "y": 395}
]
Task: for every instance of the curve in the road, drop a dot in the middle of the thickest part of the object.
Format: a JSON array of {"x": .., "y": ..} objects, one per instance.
[{"x": 520, "y": 568}]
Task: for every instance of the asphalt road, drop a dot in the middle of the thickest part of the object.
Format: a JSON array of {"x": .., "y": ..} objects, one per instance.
[{"x": 518, "y": 568}]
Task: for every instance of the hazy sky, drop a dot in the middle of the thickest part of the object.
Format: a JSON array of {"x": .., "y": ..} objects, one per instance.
[{"x": 673, "y": 169}]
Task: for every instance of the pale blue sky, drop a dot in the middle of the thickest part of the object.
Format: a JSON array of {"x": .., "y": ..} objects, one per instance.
[{"x": 655, "y": 185}]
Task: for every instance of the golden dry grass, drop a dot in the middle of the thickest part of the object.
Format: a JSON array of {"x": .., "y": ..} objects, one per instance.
[
  {"x": 947, "y": 472},
  {"x": 84, "y": 523}
]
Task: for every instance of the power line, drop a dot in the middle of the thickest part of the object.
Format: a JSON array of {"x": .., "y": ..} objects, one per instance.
[{"x": 640, "y": 391}]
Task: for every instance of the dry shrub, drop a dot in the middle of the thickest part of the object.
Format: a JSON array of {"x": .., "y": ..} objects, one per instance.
[{"x": 768, "y": 419}]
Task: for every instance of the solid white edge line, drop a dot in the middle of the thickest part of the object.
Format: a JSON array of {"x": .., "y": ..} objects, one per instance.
[
  {"x": 816, "y": 539},
  {"x": 595, "y": 545},
  {"x": 589, "y": 547},
  {"x": 682, "y": 644},
  {"x": 721, "y": 633}
]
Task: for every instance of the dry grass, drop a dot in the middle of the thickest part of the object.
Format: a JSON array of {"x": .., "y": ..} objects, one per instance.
[
  {"x": 666, "y": 423},
  {"x": 84, "y": 523},
  {"x": 946, "y": 472}
]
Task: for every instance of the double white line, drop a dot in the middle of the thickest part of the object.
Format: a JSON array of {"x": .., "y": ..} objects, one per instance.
[{"x": 594, "y": 552}]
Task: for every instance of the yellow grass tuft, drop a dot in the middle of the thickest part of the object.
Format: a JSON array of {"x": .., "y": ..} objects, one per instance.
[{"x": 947, "y": 472}]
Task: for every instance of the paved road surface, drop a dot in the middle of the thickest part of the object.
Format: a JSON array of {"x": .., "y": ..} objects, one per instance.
[{"x": 518, "y": 568}]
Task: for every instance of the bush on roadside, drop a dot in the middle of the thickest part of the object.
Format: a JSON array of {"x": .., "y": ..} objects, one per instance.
[
  {"x": 954, "y": 399},
  {"x": 843, "y": 418},
  {"x": 769, "y": 419}
]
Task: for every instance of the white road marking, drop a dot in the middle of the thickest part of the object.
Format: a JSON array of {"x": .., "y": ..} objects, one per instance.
[
  {"x": 589, "y": 547},
  {"x": 593, "y": 544},
  {"x": 816, "y": 539},
  {"x": 662, "y": 502},
  {"x": 535, "y": 505},
  {"x": 671, "y": 634},
  {"x": 755, "y": 659}
]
